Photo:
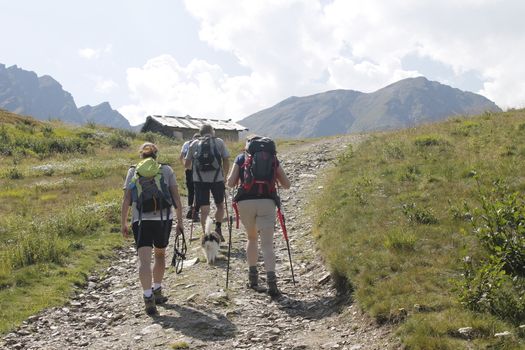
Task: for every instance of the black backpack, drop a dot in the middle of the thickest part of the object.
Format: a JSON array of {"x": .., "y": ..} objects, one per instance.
[
  {"x": 206, "y": 157},
  {"x": 260, "y": 168}
]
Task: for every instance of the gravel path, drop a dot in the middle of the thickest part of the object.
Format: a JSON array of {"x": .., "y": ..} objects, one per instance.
[{"x": 108, "y": 312}]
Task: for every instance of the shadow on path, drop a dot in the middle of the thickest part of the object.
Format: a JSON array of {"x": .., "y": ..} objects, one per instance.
[
  {"x": 199, "y": 324},
  {"x": 313, "y": 309}
]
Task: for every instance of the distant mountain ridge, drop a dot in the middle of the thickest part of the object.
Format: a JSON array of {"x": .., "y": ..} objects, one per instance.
[
  {"x": 23, "y": 92},
  {"x": 405, "y": 103}
]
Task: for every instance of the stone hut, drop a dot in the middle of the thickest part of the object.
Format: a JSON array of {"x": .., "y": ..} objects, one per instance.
[{"x": 183, "y": 128}]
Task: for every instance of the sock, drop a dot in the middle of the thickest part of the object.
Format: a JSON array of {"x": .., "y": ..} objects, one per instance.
[
  {"x": 148, "y": 292},
  {"x": 156, "y": 286}
]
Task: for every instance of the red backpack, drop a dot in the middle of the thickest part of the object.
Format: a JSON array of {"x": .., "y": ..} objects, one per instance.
[{"x": 260, "y": 168}]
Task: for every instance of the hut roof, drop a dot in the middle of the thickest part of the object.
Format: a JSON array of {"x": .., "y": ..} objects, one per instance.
[{"x": 188, "y": 122}]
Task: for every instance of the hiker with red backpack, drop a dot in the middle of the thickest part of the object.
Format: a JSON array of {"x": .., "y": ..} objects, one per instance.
[
  {"x": 257, "y": 172},
  {"x": 151, "y": 190},
  {"x": 208, "y": 158}
]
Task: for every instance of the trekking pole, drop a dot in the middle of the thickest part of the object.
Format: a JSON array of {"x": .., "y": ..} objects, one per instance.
[
  {"x": 230, "y": 226},
  {"x": 193, "y": 215},
  {"x": 282, "y": 221}
]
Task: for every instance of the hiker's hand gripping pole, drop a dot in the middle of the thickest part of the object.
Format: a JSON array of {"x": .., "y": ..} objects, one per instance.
[{"x": 282, "y": 221}]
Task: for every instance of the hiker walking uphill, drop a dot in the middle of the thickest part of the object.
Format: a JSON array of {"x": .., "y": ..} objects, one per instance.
[
  {"x": 258, "y": 171},
  {"x": 193, "y": 211},
  {"x": 152, "y": 189},
  {"x": 208, "y": 157}
]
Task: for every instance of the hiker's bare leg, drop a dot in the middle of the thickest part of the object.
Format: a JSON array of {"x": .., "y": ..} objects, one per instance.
[
  {"x": 205, "y": 211},
  {"x": 159, "y": 264},
  {"x": 145, "y": 267},
  {"x": 248, "y": 212},
  {"x": 219, "y": 214}
]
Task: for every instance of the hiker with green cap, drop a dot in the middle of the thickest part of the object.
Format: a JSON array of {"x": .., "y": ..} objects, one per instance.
[{"x": 151, "y": 190}]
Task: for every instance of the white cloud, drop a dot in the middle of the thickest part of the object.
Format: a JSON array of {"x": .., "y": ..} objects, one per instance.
[
  {"x": 300, "y": 47},
  {"x": 93, "y": 54}
]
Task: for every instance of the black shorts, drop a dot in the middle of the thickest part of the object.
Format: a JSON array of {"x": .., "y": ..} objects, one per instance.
[
  {"x": 154, "y": 233},
  {"x": 202, "y": 192}
]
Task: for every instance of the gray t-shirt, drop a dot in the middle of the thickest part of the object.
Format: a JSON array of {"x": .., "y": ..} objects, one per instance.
[
  {"x": 207, "y": 176},
  {"x": 169, "y": 180}
]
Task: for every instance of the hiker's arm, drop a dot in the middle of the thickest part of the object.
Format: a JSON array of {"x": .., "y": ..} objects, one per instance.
[
  {"x": 181, "y": 158},
  {"x": 282, "y": 178},
  {"x": 174, "y": 190},
  {"x": 233, "y": 178},
  {"x": 187, "y": 164},
  {"x": 124, "y": 213},
  {"x": 226, "y": 165}
]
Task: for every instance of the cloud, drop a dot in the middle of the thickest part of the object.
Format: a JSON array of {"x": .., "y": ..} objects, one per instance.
[
  {"x": 301, "y": 47},
  {"x": 93, "y": 54},
  {"x": 163, "y": 86}
]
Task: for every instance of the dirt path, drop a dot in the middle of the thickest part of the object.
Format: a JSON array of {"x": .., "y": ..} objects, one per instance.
[{"x": 108, "y": 313}]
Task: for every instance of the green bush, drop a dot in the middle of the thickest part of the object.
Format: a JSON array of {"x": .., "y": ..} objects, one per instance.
[
  {"x": 117, "y": 141},
  {"x": 428, "y": 140},
  {"x": 496, "y": 282},
  {"x": 419, "y": 215}
]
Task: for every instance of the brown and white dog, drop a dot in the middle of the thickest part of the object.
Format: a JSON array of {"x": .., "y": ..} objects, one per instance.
[{"x": 210, "y": 242}]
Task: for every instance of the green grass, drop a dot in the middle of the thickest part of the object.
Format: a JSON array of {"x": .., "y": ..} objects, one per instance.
[
  {"x": 392, "y": 221},
  {"x": 60, "y": 202}
]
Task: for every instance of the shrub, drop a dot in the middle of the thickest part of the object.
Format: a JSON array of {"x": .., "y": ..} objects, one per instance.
[
  {"x": 495, "y": 282},
  {"x": 419, "y": 215},
  {"x": 14, "y": 174},
  {"x": 47, "y": 130},
  {"x": 428, "y": 140},
  {"x": 117, "y": 141}
]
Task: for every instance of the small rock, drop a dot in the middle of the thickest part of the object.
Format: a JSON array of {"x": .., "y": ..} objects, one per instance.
[
  {"x": 466, "y": 332},
  {"x": 324, "y": 279},
  {"x": 503, "y": 334},
  {"x": 191, "y": 262}
]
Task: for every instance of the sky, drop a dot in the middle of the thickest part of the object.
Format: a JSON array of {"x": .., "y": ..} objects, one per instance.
[{"x": 230, "y": 59}]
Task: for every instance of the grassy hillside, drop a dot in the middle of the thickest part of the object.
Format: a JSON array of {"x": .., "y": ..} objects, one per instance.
[
  {"x": 427, "y": 225},
  {"x": 61, "y": 189}
]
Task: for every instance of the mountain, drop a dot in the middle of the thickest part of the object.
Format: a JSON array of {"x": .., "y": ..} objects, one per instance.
[
  {"x": 23, "y": 92},
  {"x": 102, "y": 113},
  {"x": 403, "y": 104}
]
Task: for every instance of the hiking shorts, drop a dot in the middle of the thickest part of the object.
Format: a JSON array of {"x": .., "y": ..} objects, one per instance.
[
  {"x": 154, "y": 233},
  {"x": 202, "y": 192},
  {"x": 257, "y": 213}
]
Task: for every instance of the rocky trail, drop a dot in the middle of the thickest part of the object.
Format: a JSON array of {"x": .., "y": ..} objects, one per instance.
[{"x": 200, "y": 314}]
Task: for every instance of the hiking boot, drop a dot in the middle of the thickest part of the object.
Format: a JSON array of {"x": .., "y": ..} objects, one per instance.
[
  {"x": 159, "y": 298},
  {"x": 189, "y": 215},
  {"x": 271, "y": 279},
  {"x": 253, "y": 276},
  {"x": 149, "y": 305},
  {"x": 218, "y": 229}
]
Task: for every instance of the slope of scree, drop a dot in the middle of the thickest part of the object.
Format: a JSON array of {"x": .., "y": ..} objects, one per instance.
[{"x": 108, "y": 312}]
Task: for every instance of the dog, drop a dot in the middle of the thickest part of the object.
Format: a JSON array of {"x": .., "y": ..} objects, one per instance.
[{"x": 210, "y": 242}]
